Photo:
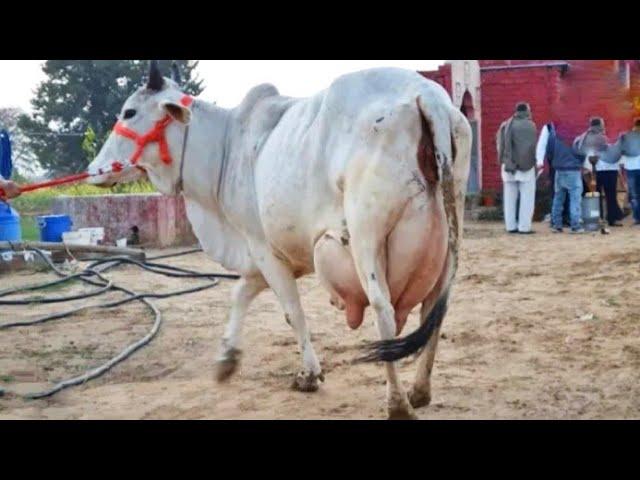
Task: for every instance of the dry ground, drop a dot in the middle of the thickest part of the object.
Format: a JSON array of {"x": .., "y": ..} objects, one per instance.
[{"x": 540, "y": 327}]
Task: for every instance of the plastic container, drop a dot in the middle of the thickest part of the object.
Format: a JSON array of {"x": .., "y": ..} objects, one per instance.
[
  {"x": 591, "y": 211},
  {"x": 96, "y": 233},
  {"x": 77, "y": 238},
  {"x": 10, "y": 229},
  {"x": 53, "y": 226}
]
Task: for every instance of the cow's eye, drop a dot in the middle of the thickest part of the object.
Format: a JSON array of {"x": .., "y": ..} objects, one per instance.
[{"x": 129, "y": 113}]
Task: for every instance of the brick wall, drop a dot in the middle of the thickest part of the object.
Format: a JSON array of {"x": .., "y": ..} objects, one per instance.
[
  {"x": 501, "y": 90},
  {"x": 442, "y": 76},
  {"x": 589, "y": 87},
  {"x": 161, "y": 219}
]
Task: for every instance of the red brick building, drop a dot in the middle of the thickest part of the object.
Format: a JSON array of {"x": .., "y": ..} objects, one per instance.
[{"x": 566, "y": 92}]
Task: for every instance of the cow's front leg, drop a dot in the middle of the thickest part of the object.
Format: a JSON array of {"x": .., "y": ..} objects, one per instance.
[
  {"x": 283, "y": 283},
  {"x": 242, "y": 294}
]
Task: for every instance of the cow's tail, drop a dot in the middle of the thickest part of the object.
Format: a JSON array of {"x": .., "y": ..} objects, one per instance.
[
  {"x": 414, "y": 343},
  {"x": 437, "y": 153}
]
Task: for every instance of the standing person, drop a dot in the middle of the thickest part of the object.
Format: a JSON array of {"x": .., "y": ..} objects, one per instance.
[
  {"x": 593, "y": 145},
  {"x": 567, "y": 181},
  {"x": 627, "y": 149},
  {"x": 10, "y": 189},
  {"x": 541, "y": 154},
  {"x": 517, "y": 154}
]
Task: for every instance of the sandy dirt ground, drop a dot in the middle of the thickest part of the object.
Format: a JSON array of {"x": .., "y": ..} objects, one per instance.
[{"x": 541, "y": 327}]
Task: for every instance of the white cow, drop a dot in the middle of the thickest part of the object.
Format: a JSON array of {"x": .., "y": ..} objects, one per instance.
[{"x": 362, "y": 184}]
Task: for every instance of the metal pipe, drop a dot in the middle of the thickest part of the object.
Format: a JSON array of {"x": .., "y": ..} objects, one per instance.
[{"x": 55, "y": 246}]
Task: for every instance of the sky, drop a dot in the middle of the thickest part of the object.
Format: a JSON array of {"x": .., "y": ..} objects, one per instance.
[{"x": 226, "y": 81}]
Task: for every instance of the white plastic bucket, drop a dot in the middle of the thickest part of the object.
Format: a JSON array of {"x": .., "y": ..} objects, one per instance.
[
  {"x": 76, "y": 238},
  {"x": 97, "y": 234}
]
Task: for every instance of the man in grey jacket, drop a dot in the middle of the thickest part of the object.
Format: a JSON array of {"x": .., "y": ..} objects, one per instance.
[
  {"x": 516, "y": 142},
  {"x": 593, "y": 146}
]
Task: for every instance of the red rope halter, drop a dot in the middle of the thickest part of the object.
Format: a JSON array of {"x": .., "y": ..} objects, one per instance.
[{"x": 156, "y": 134}]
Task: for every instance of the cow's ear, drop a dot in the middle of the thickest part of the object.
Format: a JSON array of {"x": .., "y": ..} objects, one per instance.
[{"x": 178, "y": 111}]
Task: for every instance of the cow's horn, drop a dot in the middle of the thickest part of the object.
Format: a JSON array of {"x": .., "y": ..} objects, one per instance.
[
  {"x": 155, "y": 81},
  {"x": 175, "y": 73}
]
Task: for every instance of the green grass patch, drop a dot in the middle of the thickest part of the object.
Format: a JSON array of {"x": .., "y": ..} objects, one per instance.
[
  {"x": 39, "y": 201},
  {"x": 7, "y": 378},
  {"x": 30, "y": 230}
]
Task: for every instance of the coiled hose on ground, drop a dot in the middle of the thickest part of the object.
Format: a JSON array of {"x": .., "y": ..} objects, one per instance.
[{"x": 93, "y": 275}]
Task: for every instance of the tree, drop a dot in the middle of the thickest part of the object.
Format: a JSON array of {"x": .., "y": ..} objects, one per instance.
[
  {"x": 81, "y": 96},
  {"x": 24, "y": 160}
]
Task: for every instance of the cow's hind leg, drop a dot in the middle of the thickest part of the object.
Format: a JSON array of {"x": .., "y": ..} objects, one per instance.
[
  {"x": 283, "y": 283},
  {"x": 420, "y": 394},
  {"x": 371, "y": 263},
  {"x": 398, "y": 406},
  {"x": 242, "y": 294}
]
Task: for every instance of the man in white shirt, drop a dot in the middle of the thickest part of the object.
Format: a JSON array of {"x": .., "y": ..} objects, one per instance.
[
  {"x": 541, "y": 154},
  {"x": 516, "y": 144},
  {"x": 8, "y": 189}
]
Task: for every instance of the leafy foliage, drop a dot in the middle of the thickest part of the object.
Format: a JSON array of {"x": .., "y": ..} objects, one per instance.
[{"x": 76, "y": 106}]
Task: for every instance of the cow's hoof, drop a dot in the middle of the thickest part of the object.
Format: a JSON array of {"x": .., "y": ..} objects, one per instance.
[
  {"x": 307, "y": 381},
  {"x": 227, "y": 364},
  {"x": 419, "y": 398},
  {"x": 401, "y": 413}
]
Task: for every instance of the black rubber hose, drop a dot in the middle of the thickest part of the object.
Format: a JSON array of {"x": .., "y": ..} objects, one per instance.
[
  {"x": 68, "y": 298},
  {"x": 94, "y": 270},
  {"x": 172, "y": 255}
]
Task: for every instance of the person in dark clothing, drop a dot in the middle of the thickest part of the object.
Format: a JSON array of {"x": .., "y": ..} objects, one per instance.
[
  {"x": 567, "y": 178},
  {"x": 593, "y": 145},
  {"x": 607, "y": 186},
  {"x": 627, "y": 151}
]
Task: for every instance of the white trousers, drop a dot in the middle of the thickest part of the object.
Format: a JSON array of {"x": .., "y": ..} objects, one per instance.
[{"x": 527, "y": 191}]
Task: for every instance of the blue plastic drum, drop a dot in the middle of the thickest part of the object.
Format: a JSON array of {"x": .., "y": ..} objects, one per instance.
[
  {"x": 53, "y": 226},
  {"x": 9, "y": 224}
]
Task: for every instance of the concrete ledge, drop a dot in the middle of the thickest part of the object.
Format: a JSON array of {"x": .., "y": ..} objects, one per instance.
[{"x": 161, "y": 219}]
